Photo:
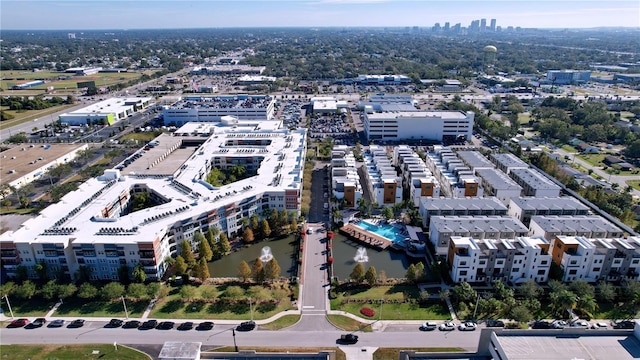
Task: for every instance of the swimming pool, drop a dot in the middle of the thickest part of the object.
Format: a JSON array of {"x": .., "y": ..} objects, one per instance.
[{"x": 386, "y": 231}]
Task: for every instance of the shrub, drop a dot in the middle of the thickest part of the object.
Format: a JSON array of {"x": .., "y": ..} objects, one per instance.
[{"x": 368, "y": 312}]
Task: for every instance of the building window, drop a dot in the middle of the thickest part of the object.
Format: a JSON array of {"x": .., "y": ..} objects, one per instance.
[
  {"x": 573, "y": 272},
  {"x": 463, "y": 273},
  {"x": 541, "y": 272}
]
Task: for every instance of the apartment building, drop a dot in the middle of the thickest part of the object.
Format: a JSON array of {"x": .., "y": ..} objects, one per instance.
[
  {"x": 484, "y": 206},
  {"x": 417, "y": 179},
  {"x": 507, "y": 161},
  {"x": 588, "y": 226},
  {"x": 455, "y": 179},
  {"x": 486, "y": 260},
  {"x": 442, "y": 228},
  {"x": 498, "y": 184},
  {"x": 383, "y": 182},
  {"x": 475, "y": 160},
  {"x": 523, "y": 208},
  {"x": 534, "y": 183},
  {"x": 344, "y": 176}
]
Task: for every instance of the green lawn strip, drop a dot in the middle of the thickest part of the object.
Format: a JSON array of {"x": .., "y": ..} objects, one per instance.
[
  {"x": 35, "y": 307},
  {"x": 177, "y": 309},
  {"x": 523, "y": 119},
  {"x": 29, "y": 115},
  {"x": 348, "y": 324},
  {"x": 8, "y": 210},
  {"x": 404, "y": 311},
  {"x": 394, "y": 353},
  {"x": 592, "y": 159},
  {"x": 71, "y": 352},
  {"x": 339, "y": 354},
  {"x": 568, "y": 148},
  {"x": 141, "y": 136},
  {"x": 281, "y": 323},
  {"x": 75, "y": 307},
  {"x": 634, "y": 184}
]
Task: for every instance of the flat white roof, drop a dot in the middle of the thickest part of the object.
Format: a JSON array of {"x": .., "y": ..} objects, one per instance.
[
  {"x": 109, "y": 106},
  {"x": 419, "y": 114}
]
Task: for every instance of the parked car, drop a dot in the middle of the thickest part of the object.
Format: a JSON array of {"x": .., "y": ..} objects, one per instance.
[
  {"x": 165, "y": 325},
  {"x": 114, "y": 323},
  {"x": 541, "y": 325},
  {"x": 131, "y": 324},
  {"x": 246, "y": 326},
  {"x": 76, "y": 323},
  {"x": 467, "y": 326},
  {"x": 580, "y": 323},
  {"x": 428, "y": 326},
  {"x": 18, "y": 323},
  {"x": 626, "y": 324},
  {"x": 149, "y": 324},
  {"x": 559, "y": 324},
  {"x": 39, "y": 322},
  {"x": 56, "y": 323},
  {"x": 447, "y": 326},
  {"x": 207, "y": 325},
  {"x": 599, "y": 325},
  {"x": 348, "y": 339},
  {"x": 495, "y": 323},
  {"x": 185, "y": 326}
]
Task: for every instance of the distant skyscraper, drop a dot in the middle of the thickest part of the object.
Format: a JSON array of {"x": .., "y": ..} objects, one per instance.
[
  {"x": 446, "y": 26},
  {"x": 493, "y": 25},
  {"x": 475, "y": 26},
  {"x": 436, "y": 27},
  {"x": 483, "y": 24},
  {"x": 71, "y": 35},
  {"x": 456, "y": 27}
]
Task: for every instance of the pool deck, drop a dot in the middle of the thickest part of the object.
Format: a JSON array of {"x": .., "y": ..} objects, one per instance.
[{"x": 367, "y": 237}]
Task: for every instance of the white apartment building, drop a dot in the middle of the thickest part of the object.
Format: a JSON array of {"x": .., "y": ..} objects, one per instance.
[
  {"x": 416, "y": 177},
  {"x": 506, "y": 162},
  {"x": 498, "y": 184},
  {"x": 475, "y": 160},
  {"x": 344, "y": 176},
  {"x": 383, "y": 182},
  {"x": 419, "y": 125},
  {"x": 486, "y": 260},
  {"x": 588, "y": 226},
  {"x": 455, "y": 179},
  {"x": 95, "y": 227},
  {"x": 442, "y": 228},
  {"x": 471, "y": 206},
  {"x": 534, "y": 183},
  {"x": 523, "y": 208}
]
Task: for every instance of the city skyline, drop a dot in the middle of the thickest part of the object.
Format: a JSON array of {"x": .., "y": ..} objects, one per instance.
[{"x": 146, "y": 14}]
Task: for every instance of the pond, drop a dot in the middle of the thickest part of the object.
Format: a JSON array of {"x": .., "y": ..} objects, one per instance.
[{"x": 284, "y": 250}]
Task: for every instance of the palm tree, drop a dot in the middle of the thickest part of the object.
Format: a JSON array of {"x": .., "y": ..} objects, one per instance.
[{"x": 587, "y": 304}]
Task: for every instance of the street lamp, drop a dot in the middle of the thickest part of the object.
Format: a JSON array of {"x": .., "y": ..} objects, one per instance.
[
  {"x": 251, "y": 309},
  {"x": 233, "y": 331},
  {"x": 6, "y": 297},
  {"x": 124, "y": 304}
]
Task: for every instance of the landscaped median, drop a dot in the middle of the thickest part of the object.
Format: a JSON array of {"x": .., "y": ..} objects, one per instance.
[{"x": 71, "y": 352}]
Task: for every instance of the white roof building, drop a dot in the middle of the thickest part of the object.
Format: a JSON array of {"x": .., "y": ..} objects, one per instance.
[{"x": 106, "y": 112}]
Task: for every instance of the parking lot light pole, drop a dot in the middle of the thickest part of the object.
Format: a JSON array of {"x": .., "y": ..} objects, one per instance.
[
  {"x": 124, "y": 304},
  {"x": 6, "y": 297},
  {"x": 251, "y": 309},
  {"x": 233, "y": 331}
]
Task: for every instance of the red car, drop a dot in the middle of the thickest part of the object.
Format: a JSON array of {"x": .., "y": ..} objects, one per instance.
[{"x": 17, "y": 323}]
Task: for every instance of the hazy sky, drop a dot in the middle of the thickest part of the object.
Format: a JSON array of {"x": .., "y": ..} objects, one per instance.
[{"x": 120, "y": 14}]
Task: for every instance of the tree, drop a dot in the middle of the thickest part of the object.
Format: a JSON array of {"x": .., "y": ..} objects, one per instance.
[
  {"x": 530, "y": 290},
  {"x": 463, "y": 292},
  {"x": 582, "y": 288},
  {"x": 257, "y": 271},
  {"x": 244, "y": 271},
  {"x": 203, "y": 247},
  {"x": 521, "y": 314},
  {"x": 501, "y": 291},
  {"x": 387, "y": 213},
  {"x": 66, "y": 290},
  {"x": 87, "y": 291},
  {"x": 49, "y": 290},
  {"x": 247, "y": 235},
  {"x": 138, "y": 274},
  {"x": 27, "y": 290},
  {"x": 233, "y": 292},
  {"x": 293, "y": 226},
  {"x": 371, "y": 276},
  {"x": 259, "y": 293},
  {"x": 208, "y": 292},
  {"x": 202, "y": 270},
  {"x": 272, "y": 269},
  {"x": 112, "y": 290},
  {"x": 411, "y": 273},
  {"x": 153, "y": 289},
  {"x": 188, "y": 292},
  {"x": 587, "y": 303},
  {"x": 42, "y": 270},
  {"x": 187, "y": 254},
  {"x": 605, "y": 291},
  {"x": 265, "y": 230},
  {"x": 137, "y": 291},
  {"x": 180, "y": 266},
  {"x": 223, "y": 243},
  {"x": 358, "y": 272},
  {"x": 7, "y": 288}
]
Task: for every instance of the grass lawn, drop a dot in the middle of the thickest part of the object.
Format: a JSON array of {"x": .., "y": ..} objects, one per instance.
[
  {"x": 339, "y": 354},
  {"x": 141, "y": 136},
  {"x": 634, "y": 184},
  {"x": 568, "y": 148},
  {"x": 394, "y": 353},
  {"x": 76, "y": 307},
  {"x": 10, "y": 210},
  {"x": 29, "y": 115},
  {"x": 35, "y": 307},
  {"x": 523, "y": 118},
  {"x": 592, "y": 159},
  {"x": 347, "y": 323},
  {"x": 281, "y": 323},
  {"x": 71, "y": 352},
  {"x": 390, "y": 310}
]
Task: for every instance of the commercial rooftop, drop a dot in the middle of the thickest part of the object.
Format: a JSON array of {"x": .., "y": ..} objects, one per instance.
[
  {"x": 448, "y": 115},
  {"x": 25, "y": 158},
  {"x": 225, "y": 102}
]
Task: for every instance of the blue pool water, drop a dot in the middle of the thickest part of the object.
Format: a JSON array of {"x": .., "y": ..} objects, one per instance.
[{"x": 387, "y": 231}]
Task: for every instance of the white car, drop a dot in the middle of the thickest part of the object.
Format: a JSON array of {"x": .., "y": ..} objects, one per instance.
[
  {"x": 428, "y": 326},
  {"x": 599, "y": 325},
  {"x": 467, "y": 326},
  {"x": 580, "y": 323},
  {"x": 559, "y": 324},
  {"x": 447, "y": 326}
]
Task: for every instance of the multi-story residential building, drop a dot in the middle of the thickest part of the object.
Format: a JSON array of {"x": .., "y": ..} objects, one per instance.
[
  {"x": 534, "y": 184},
  {"x": 419, "y": 125},
  {"x": 498, "y": 184},
  {"x": 517, "y": 260},
  {"x": 442, "y": 228},
  {"x": 523, "y": 208},
  {"x": 417, "y": 179},
  {"x": 455, "y": 179},
  {"x": 95, "y": 226},
  {"x": 475, "y": 160},
  {"x": 588, "y": 226},
  {"x": 344, "y": 176},
  {"x": 213, "y": 108},
  {"x": 507, "y": 161},
  {"x": 385, "y": 186},
  {"x": 471, "y": 206}
]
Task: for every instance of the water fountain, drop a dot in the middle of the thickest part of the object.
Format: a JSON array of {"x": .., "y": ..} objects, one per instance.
[
  {"x": 265, "y": 254},
  {"x": 361, "y": 255}
]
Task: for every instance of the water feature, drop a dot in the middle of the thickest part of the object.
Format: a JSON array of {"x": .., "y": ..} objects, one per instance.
[
  {"x": 361, "y": 255},
  {"x": 283, "y": 249},
  {"x": 266, "y": 254}
]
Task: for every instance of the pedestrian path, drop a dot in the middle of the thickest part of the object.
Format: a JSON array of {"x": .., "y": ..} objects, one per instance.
[
  {"x": 358, "y": 353},
  {"x": 53, "y": 309}
]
